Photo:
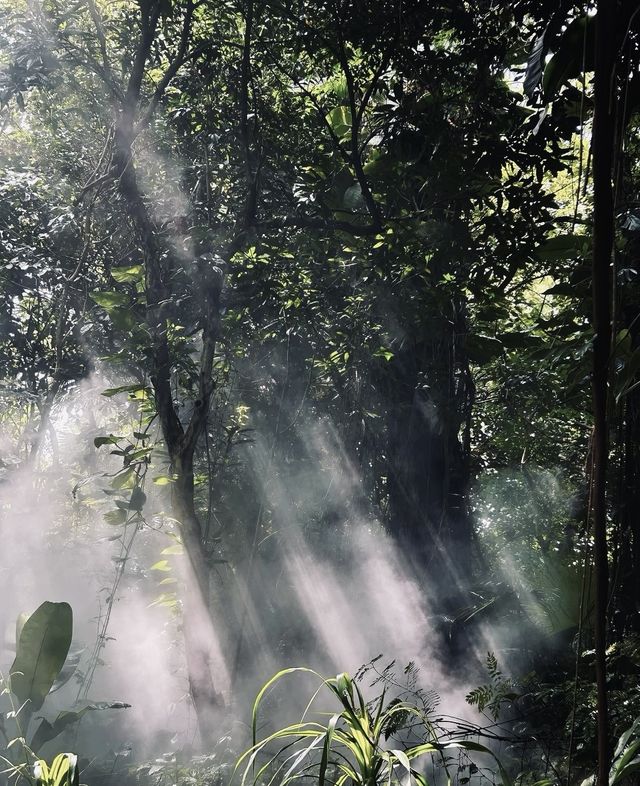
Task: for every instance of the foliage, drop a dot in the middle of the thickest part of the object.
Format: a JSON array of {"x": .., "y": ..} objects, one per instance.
[
  {"x": 364, "y": 222},
  {"x": 350, "y": 747},
  {"x": 63, "y": 771},
  {"x": 492, "y": 696},
  {"x": 626, "y": 758},
  {"x": 42, "y": 646},
  {"x": 40, "y": 668}
]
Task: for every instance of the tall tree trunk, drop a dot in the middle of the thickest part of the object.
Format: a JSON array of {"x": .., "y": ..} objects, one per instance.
[
  {"x": 429, "y": 391},
  {"x": 180, "y": 442},
  {"x": 628, "y": 556},
  {"x": 603, "y": 237},
  {"x": 197, "y": 624}
]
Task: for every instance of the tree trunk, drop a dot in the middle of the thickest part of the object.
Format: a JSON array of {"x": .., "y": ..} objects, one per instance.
[
  {"x": 628, "y": 552},
  {"x": 603, "y": 237},
  {"x": 180, "y": 443},
  {"x": 428, "y": 392},
  {"x": 196, "y": 618}
]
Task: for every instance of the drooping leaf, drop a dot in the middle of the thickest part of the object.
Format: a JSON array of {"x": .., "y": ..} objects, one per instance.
[
  {"x": 47, "y": 731},
  {"x": 68, "y": 670},
  {"x": 123, "y": 479},
  {"x": 575, "y": 52},
  {"x": 535, "y": 65},
  {"x": 541, "y": 46}
]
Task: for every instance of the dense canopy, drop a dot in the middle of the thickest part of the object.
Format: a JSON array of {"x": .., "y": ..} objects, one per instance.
[{"x": 319, "y": 346}]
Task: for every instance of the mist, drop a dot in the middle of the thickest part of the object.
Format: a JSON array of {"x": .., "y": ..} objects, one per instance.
[{"x": 331, "y": 596}]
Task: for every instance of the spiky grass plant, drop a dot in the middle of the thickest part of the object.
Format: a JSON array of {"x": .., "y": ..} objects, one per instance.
[
  {"x": 63, "y": 771},
  {"x": 351, "y": 748}
]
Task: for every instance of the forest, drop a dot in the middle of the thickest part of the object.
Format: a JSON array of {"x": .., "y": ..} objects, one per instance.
[{"x": 319, "y": 355}]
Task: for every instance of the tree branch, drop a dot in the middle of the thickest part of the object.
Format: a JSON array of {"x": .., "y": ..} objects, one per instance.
[
  {"x": 172, "y": 69},
  {"x": 356, "y": 117},
  {"x": 102, "y": 43},
  {"x": 148, "y": 23}
]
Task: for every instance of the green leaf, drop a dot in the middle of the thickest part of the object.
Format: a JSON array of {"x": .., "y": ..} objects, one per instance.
[
  {"x": 109, "y": 392},
  {"x": 576, "y": 47},
  {"x": 162, "y": 565},
  {"x": 131, "y": 273},
  {"x": 41, "y": 652},
  {"x": 138, "y": 498},
  {"x": 482, "y": 349},
  {"x": 626, "y": 378},
  {"x": 62, "y": 772},
  {"x": 403, "y": 759},
  {"x": 163, "y": 480},
  {"x": 124, "y": 319},
  {"x": 177, "y": 549},
  {"x": 110, "y": 440},
  {"x": 340, "y": 121},
  {"x": 383, "y": 352},
  {"x": 47, "y": 731},
  {"x": 116, "y": 517},
  {"x": 41, "y": 773},
  {"x": 140, "y": 453},
  {"x": 110, "y": 300},
  {"x": 122, "y": 478},
  {"x": 167, "y": 599},
  {"x": 623, "y": 741},
  {"x": 324, "y": 761},
  {"x": 562, "y": 247}
]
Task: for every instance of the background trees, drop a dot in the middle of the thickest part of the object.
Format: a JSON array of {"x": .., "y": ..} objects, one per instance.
[{"x": 333, "y": 260}]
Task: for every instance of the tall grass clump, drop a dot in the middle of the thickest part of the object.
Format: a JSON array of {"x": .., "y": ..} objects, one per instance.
[{"x": 356, "y": 746}]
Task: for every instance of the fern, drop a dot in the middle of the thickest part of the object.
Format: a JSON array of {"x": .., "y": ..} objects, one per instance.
[{"x": 501, "y": 690}]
